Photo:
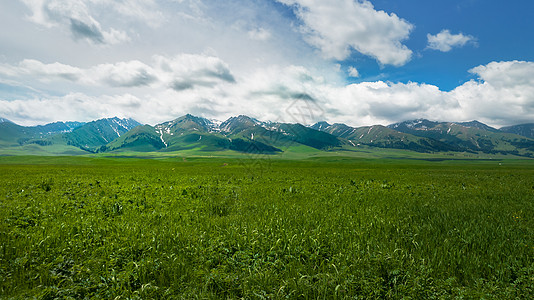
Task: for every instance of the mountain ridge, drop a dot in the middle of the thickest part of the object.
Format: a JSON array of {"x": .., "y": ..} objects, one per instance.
[
  {"x": 526, "y": 130},
  {"x": 468, "y": 136},
  {"x": 248, "y": 135}
]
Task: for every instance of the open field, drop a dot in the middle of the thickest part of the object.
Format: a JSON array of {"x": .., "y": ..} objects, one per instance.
[{"x": 325, "y": 227}]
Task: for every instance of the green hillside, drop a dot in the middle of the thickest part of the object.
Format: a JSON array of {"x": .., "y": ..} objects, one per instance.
[
  {"x": 185, "y": 133},
  {"x": 243, "y": 134},
  {"x": 143, "y": 138},
  {"x": 93, "y": 135},
  {"x": 466, "y": 138},
  {"x": 526, "y": 130},
  {"x": 382, "y": 137}
]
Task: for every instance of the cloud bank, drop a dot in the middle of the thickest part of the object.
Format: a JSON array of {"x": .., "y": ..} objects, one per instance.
[
  {"x": 184, "y": 71},
  {"x": 205, "y": 85},
  {"x": 337, "y": 27}
]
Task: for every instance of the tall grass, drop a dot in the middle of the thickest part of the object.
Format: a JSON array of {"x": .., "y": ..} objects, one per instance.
[{"x": 297, "y": 230}]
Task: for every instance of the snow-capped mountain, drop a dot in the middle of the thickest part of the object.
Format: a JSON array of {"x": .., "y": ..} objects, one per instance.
[{"x": 249, "y": 135}]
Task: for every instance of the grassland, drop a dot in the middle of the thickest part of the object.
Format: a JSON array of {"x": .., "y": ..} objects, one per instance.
[{"x": 330, "y": 227}]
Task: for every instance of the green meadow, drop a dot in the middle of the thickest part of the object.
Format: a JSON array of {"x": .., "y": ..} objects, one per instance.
[{"x": 228, "y": 228}]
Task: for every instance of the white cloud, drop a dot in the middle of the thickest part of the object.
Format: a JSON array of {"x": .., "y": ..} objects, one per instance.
[
  {"x": 78, "y": 17},
  {"x": 156, "y": 88},
  {"x": 265, "y": 94},
  {"x": 257, "y": 64},
  {"x": 47, "y": 72},
  {"x": 73, "y": 106},
  {"x": 184, "y": 71},
  {"x": 143, "y": 10},
  {"x": 187, "y": 71},
  {"x": 507, "y": 74},
  {"x": 445, "y": 41},
  {"x": 121, "y": 74},
  {"x": 259, "y": 34},
  {"x": 503, "y": 96},
  {"x": 353, "y": 72},
  {"x": 337, "y": 27},
  {"x": 384, "y": 102},
  {"x": 39, "y": 15}
]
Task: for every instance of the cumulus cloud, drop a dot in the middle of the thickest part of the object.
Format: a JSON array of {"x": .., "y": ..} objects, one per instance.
[
  {"x": 385, "y": 102},
  {"x": 73, "y": 106},
  {"x": 204, "y": 85},
  {"x": 504, "y": 95},
  {"x": 48, "y": 72},
  {"x": 285, "y": 84},
  {"x": 337, "y": 27},
  {"x": 181, "y": 72},
  {"x": 187, "y": 71},
  {"x": 507, "y": 74},
  {"x": 445, "y": 41},
  {"x": 78, "y": 17},
  {"x": 122, "y": 74}
]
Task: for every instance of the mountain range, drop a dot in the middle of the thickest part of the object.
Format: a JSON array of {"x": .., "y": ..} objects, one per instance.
[{"x": 248, "y": 135}]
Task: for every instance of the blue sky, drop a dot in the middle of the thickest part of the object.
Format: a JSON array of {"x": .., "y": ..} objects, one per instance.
[
  {"x": 361, "y": 62},
  {"x": 503, "y": 32}
]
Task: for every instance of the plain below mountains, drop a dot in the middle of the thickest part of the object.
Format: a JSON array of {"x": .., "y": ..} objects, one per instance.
[{"x": 248, "y": 135}]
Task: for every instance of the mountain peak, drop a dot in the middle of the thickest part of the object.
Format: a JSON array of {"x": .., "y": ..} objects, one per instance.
[
  {"x": 239, "y": 122},
  {"x": 321, "y": 126},
  {"x": 193, "y": 118},
  {"x": 244, "y": 118},
  {"x": 479, "y": 125},
  {"x": 185, "y": 123},
  {"x": 414, "y": 124}
]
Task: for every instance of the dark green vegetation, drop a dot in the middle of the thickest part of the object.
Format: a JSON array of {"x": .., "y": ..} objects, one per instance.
[
  {"x": 91, "y": 136},
  {"x": 384, "y": 137},
  {"x": 243, "y": 134},
  {"x": 75, "y": 228},
  {"x": 523, "y": 129},
  {"x": 469, "y": 136},
  {"x": 70, "y": 138}
]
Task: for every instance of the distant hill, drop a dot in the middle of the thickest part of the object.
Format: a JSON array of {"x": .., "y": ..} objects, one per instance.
[
  {"x": 382, "y": 137},
  {"x": 186, "y": 133},
  {"x": 526, "y": 130},
  {"x": 308, "y": 136},
  {"x": 143, "y": 138},
  {"x": 248, "y": 135},
  {"x": 58, "y": 127},
  {"x": 479, "y": 125},
  {"x": 468, "y": 137},
  {"x": 93, "y": 135},
  {"x": 13, "y": 134},
  {"x": 246, "y": 128}
]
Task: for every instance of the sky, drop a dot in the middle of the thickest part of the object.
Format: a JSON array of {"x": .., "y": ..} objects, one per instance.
[{"x": 358, "y": 62}]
